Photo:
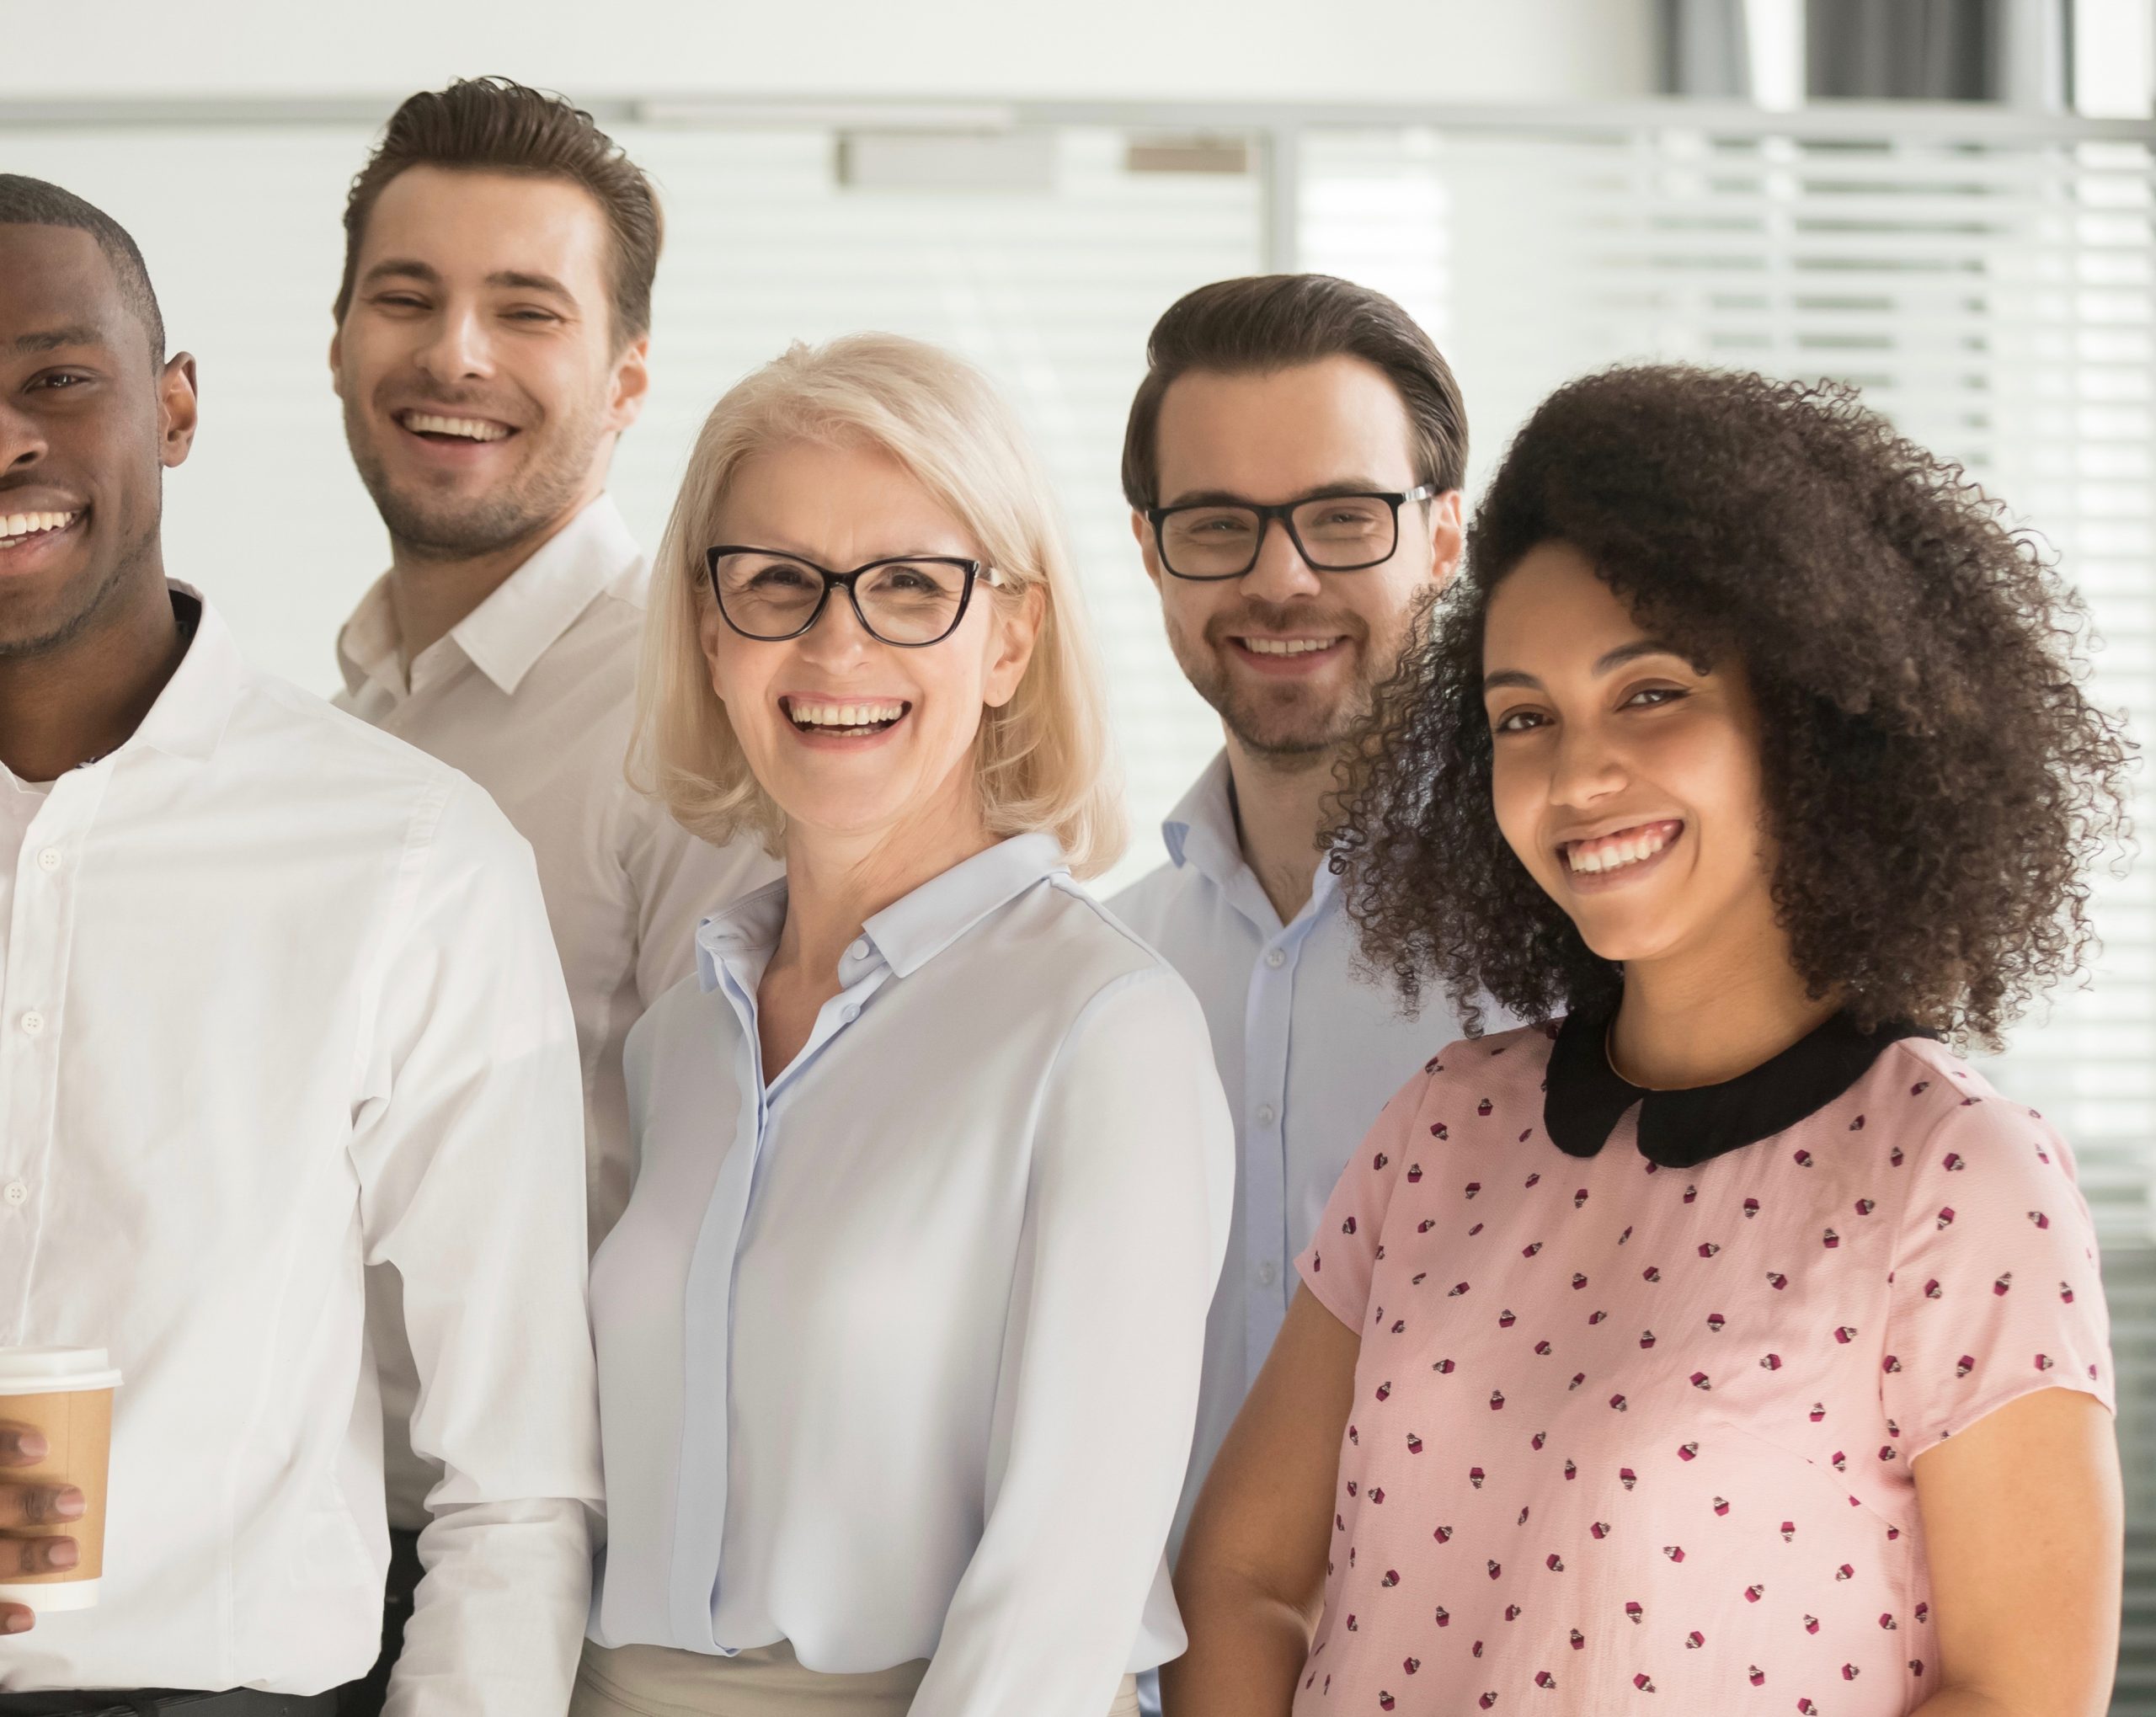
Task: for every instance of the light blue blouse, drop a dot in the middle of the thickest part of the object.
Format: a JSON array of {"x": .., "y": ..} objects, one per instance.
[{"x": 900, "y": 1350}]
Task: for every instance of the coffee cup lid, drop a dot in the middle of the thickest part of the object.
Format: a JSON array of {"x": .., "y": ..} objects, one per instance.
[{"x": 47, "y": 1371}]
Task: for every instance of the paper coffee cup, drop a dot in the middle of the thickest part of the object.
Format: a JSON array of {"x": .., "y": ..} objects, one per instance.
[{"x": 67, "y": 1393}]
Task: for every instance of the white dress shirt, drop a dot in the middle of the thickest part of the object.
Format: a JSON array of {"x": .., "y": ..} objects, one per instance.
[
  {"x": 278, "y": 1001},
  {"x": 19, "y": 801},
  {"x": 898, "y": 1351},
  {"x": 532, "y": 695},
  {"x": 1308, "y": 1049}
]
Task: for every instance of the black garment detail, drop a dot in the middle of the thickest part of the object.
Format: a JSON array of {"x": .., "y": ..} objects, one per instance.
[
  {"x": 152, "y": 1702},
  {"x": 1584, "y": 1098},
  {"x": 364, "y": 1698}
]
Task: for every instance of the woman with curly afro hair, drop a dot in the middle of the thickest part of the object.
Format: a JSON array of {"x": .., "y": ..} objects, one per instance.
[{"x": 1724, "y": 1336}]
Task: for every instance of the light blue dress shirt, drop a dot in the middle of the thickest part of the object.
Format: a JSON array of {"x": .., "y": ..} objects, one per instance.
[
  {"x": 1308, "y": 1050},
  {"x": 900, "y": 1348}
]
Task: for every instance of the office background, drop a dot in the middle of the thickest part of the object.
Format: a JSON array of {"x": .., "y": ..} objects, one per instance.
[{"x": 1949, "y": 202}]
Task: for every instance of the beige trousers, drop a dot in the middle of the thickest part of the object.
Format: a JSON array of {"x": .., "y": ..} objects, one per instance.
[{"x": 650, "y": 1681}]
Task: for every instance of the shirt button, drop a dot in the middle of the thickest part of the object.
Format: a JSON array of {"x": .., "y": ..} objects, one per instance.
[
  {"x": 48, "y": 860},
  {"x": 15, "y": 1192},
  {"x": 33, "y": 1022},
  {"x": 1276, "y": 959},
  {"x": 860, "y": 949},
  {"x": 1265, "y": 1114},
  {"x": 1268, "y": 1274},
  {"x": 850, "y": 1013}
]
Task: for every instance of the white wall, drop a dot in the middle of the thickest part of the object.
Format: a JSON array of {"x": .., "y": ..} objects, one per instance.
[{"x": 1346, "y": 51}]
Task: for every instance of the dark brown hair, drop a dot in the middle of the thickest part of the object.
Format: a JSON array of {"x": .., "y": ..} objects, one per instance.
[
  {"x": 491, "y": 124},
  {"x": 1935, "y": 782},
  {"x": 1264, "y": 322}
]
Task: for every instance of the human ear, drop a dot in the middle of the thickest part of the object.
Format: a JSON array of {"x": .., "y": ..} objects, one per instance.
[
  {"x": 1141, "y": 528},
  {"x": 1448, "y": 538},
  {"x": 1017, "y": 631},
  {"x": 179, "y": 410},
  {"x": 631, "y": 384}
]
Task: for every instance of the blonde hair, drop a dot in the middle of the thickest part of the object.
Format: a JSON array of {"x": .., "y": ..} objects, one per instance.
[{"x": 1043, "y": 761}]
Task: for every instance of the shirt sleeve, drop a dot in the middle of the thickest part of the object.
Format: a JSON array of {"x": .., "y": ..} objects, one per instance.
[
  {"x": 1343, "y": 1252},
  {"x": 1995, "y": 1292},
  {"x": 468, "y": 1143},
  {"x": 1126, "y": 1223}
]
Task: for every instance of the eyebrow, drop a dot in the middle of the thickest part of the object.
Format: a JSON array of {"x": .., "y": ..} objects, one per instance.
[
  {"x": 521, "y": 279},
  {"x": 527, "y": 281},
  {"x": 1606, "y": 663},
  {"x": 1228, "y": 498},
  {"x": 53, "y": 339}
]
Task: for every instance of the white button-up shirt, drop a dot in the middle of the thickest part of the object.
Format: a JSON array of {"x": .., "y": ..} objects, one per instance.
[
  {"x": 898, "y": 1351},
  {"x": 1308, "y": 1049},
  {"x": 19, "y": 802},
  {"x": 533, "y": 695},
  {"x": 298, "y": 1012}
]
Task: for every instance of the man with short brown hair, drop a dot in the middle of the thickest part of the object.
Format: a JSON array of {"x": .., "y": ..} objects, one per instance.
[
  {"x": 1293, "y": 464},
  {"x": 493, "y": 333}
]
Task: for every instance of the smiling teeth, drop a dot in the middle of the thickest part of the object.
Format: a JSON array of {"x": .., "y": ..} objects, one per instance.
[
  {"x": 470, "y": 429},
  {"x": 1287, "y": 647},
  {"x": 1613, "y": 852},
  {"x": 15, "y": 526},
  {"x": 844, "y": 715}
]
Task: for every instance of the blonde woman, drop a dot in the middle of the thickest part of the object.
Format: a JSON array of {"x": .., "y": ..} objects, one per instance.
[{"x": 899, "y": 1338}]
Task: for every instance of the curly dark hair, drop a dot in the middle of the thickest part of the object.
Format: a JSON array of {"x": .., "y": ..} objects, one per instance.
[{"x": 1935, "y": 778}]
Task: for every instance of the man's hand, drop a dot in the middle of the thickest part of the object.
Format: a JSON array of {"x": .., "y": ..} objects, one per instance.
[{"x": 30, "y": 1508}]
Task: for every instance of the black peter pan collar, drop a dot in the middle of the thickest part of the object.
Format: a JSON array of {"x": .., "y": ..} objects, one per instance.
[{"x": 1584, "y": 1098}]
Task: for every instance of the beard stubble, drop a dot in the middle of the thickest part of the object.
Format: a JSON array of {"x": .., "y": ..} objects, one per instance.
[
  {"x": 1288, "y": 721},
  {"x": 458, "y": 527}
]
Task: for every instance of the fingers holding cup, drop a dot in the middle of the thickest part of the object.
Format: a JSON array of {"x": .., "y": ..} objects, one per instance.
[
  {"x": 56, "y": 1437},
  {"x": 21, "y": 1445}
]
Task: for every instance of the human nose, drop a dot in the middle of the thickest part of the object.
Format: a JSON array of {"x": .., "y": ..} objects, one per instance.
[
  {"x": 1279, "y": 575},
  {"x": 22, "y": 439},
  {"x": 456, "y": 349},
  {"x": 1584, "y": 768},
  {"x": 837, "y": 637}
]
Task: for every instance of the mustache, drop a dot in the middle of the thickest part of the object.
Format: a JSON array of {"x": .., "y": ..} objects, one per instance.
[{"x": 1272, "y": 619}]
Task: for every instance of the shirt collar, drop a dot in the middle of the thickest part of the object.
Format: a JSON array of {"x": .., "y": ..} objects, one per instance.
[
  {"x": 1201, "y": 830},
  {"x": 1200, "y": 833},
  {"x": 747, "y": 931},
  {"x": 908, "y": 932},
  {"x": 519, "y": 622},
  {"x": 190, "y": 714},
  {"x": 1584, "y": 1098}
]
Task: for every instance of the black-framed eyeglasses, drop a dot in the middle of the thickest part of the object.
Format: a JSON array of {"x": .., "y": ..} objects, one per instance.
[
  {"x": 911, "y": 600},
  {"x": 1203, "y": 541}
]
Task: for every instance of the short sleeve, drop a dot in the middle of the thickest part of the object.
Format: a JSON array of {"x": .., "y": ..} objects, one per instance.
[
  {"x": 1995, "y": 1292},
  {"x": 1344, "y": 1251}
]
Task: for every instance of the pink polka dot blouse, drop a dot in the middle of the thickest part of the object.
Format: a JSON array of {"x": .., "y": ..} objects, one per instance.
[{"x": 1626, "y": 1428}]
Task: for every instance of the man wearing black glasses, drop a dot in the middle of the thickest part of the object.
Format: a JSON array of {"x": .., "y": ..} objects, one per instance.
[{"x": 1293, "y": 464}]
